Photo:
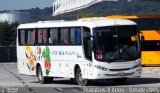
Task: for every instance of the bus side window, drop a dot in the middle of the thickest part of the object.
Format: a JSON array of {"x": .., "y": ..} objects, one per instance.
[
  {"x": 86, "y": 39},
  {"x": 64, "y": 36},
  {"x": 28, "y": 37},
  {"x": 33, "y": 37},
  {"x": 45, "y": 36},
  {"x": 78, "y": 36},
  {"x": 40, "y": 36},
  {"x": 153, "y": 45},
  {"x": 21, "y": 37},
  {"x": 53, "y": 36},
  {"x": 72, "y": 36}
]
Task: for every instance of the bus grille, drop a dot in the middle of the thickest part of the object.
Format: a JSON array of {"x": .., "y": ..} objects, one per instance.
[
  {"x": 125, "y": 74},
  {"x": 119, "y": 69}
]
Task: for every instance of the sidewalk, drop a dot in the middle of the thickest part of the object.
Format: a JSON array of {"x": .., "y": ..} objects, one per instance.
[{"x": 151, "y": 72}]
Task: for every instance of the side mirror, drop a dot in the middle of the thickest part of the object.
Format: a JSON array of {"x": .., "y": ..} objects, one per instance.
[{"x": 142, "y": 37}]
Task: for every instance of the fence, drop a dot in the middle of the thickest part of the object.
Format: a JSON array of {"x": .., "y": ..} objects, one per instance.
[{"x": 8, "y": 54}]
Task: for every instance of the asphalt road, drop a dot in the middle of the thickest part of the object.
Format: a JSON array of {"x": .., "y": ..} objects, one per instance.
[{"x": 12, "y": 82}]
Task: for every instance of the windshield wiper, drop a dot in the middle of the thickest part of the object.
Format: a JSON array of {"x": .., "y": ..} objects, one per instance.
[{"x": 120, "y": 60}]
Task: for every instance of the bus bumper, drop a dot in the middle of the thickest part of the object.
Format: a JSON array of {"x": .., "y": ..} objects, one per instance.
[{"x": 99, "y": 74}]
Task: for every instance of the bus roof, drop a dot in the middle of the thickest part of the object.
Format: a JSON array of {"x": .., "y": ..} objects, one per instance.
[{"x": 88, "y": 23}]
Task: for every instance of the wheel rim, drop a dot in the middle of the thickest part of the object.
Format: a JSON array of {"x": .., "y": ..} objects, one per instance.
[{"x": 80, "y": 79}]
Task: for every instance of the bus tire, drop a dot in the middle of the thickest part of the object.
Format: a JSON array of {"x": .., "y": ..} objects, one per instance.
[
  {"x": 42, "y": 79},
  {"x": 120, "y": 80},
  {"x": 73, "y": 80},
  {"x": 79, "y": 78}
]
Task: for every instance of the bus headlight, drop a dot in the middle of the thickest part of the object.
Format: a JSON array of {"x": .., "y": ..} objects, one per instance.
[
  {"x": 136, "y": 66},
  {"x": 100, "y": 67}
]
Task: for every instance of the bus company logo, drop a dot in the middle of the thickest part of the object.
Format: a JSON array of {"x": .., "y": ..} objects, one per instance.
[{"x": 68, "y": 53}]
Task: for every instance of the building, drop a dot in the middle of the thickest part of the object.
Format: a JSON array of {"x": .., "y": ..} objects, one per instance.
[
  {"x": 14, "y": 16},
  {"x": 64, "y": 6}
]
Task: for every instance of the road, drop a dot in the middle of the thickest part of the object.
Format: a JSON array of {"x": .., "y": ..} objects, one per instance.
[{"x": 13, "y": 82}]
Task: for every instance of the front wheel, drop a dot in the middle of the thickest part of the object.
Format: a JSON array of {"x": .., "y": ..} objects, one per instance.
[
  {"x": 73, "y": 80},
  {"x": 42, "y": 79},
  {"x": 79, "y": 78},
  {"x": 120, "y": 80}
]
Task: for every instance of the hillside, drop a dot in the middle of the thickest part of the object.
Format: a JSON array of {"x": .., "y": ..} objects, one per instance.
[{"x": 122, "y": 7}]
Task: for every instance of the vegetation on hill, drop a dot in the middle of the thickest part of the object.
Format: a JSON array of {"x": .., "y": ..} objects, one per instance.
[{"x": 121, "y": 7}]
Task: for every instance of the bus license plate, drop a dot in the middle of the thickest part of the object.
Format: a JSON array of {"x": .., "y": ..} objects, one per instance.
[{"x": 120, "y": 74}]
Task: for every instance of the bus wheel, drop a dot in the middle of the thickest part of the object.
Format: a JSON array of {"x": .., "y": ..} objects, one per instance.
[
  {"x": 73, "y": 80},
  {"x": 79, "y": 78},
  {"x": 120, "y": 80},
  {"x": 42, "y": 79}
]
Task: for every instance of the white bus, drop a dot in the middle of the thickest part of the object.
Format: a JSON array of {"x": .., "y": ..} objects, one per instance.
[{"x": 82, "y": 50}]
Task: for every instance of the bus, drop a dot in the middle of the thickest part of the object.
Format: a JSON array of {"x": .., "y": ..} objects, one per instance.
[
  {"x": 149, "y": 25},
  {"x": 82, "y": 50}
]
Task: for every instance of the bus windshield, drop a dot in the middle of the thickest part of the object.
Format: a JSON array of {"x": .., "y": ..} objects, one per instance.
[{"x": 116, "y": 43}]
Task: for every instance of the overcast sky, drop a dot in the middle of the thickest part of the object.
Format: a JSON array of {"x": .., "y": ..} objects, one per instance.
[{"x": 24, "y": 4}]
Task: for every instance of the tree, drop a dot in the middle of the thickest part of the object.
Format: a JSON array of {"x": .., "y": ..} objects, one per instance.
[{"x": 8, "y": 33}]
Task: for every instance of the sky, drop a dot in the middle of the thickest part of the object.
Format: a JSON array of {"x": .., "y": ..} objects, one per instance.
[{"x": 24, "y": 4}]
